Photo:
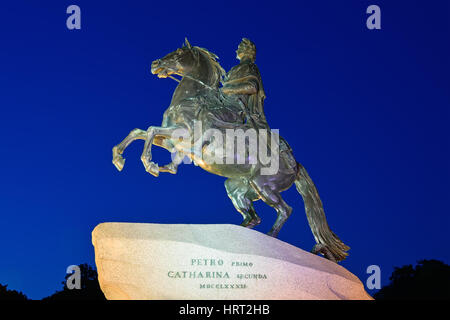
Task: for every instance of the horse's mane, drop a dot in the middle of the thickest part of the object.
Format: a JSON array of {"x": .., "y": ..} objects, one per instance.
[{"x": 219, "y": 71}]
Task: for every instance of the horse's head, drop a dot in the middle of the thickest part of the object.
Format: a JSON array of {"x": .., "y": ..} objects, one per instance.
[
  {"x": 180, "y": 62},
  {"x": 191, "y": 61}
]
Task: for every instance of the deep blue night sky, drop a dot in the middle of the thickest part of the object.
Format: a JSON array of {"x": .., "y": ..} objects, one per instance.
[{"x": 366, "y": 112}]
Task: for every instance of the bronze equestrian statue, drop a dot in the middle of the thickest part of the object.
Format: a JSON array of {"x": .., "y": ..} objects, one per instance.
[{"x": 199, "y": 104}]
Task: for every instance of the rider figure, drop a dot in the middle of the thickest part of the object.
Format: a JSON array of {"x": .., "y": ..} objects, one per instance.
[{"x": 244, "y": 82}]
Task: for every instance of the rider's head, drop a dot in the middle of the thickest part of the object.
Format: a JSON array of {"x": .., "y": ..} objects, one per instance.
[{"x": 246, "y": 50}]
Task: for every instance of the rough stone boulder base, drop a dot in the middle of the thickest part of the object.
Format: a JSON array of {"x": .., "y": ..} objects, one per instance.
[{"x": 183, "y": 261}]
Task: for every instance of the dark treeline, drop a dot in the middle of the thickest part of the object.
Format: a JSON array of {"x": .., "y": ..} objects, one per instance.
[
  {"x": 90, "y": 288},
  {"x": 429, "y": 280},
  {"x": 6, "y": 294}
]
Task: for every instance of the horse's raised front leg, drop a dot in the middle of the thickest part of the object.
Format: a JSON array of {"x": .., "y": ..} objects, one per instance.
[
  {"x": 118, "y": 150},
  {"x": 173, "y": 166},
  {"x": 146, "y": 157}
]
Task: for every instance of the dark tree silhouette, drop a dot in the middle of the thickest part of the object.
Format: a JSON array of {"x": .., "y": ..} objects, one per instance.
[
  {"x": 6, "y": 294},
  {"x": 430, "y": 279},
  {"x": 90, "y": 288}
]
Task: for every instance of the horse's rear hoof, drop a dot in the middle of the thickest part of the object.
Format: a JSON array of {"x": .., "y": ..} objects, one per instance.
[
  {"x": 323, "y": 249},
  {"x": 273, "y": 233}
]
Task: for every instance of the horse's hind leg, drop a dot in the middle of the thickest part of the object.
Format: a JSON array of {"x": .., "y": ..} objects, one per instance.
[
  {"x": 242, "y": 195},
  {"x": 273, "y": 198},
  {"x": 118, "y": 150}
]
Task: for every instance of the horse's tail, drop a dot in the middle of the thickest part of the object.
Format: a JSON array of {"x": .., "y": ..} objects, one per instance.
[{"x": 326, "y": 240}]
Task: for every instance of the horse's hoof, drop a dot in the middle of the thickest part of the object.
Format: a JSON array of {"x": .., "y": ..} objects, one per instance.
[
  {"x": 323, "y": 249},
  {"x": 245, "y": 224},
  {"x": 152, "y": 168},
  {"x": 119, "y": 162},
  {"x": 272, "y": 233},
  {"x": 171, "y": 168},
  {"x": 251, "y": 224}
]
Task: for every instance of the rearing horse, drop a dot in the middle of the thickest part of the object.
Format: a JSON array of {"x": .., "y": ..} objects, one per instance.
[{"x": 198, "y": 98}]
